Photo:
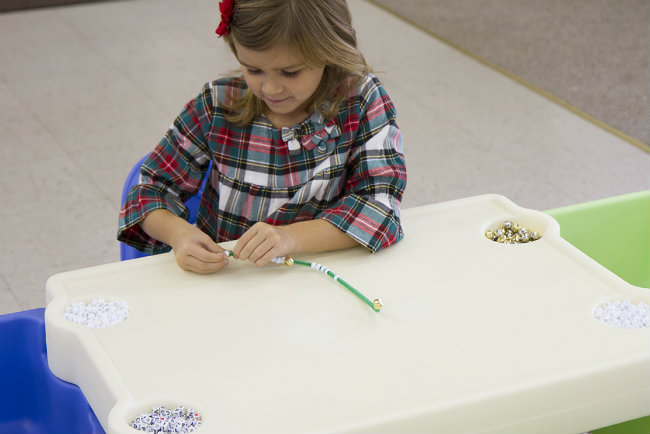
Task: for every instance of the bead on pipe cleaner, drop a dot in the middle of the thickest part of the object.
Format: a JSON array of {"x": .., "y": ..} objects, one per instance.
[
  {"x": 283, "y": 260},
  {"x": 376, "y": 304}
]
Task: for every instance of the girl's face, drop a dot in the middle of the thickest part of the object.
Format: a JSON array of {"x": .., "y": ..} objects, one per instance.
[{"x": 279, "y": 78}]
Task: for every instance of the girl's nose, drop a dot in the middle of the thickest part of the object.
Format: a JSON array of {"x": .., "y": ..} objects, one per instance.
[{"x": 271, "y": 86}]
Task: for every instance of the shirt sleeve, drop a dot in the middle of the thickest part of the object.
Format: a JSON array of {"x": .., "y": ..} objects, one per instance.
[
  {"x": 171, "y": 174},
  {"x": 369, "y": 210}
]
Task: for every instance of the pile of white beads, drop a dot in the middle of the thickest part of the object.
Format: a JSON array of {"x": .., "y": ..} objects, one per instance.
[
  {"x": 97, "y": 314},
  {"x": 163, "y": 420},
  {"x": 624, "y": 314}
]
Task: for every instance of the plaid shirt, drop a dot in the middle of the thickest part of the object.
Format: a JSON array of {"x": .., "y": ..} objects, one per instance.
[{"x": 348, "y": 170}]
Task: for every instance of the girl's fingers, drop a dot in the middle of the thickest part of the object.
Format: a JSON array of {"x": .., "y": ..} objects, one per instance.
[
  {"x": 247, "y": 244},
  {"x": 199, "y": 259},
  {"x": 206, "y": 250},
  {"x": 212, "y": 246},
  {"x": 196, "y": 251},
  {"x": 261, "y": 243},
  {"x": 263, "y": 253},
  {"x": 191, "y": 263},
  {"x": 207, "y": 256}
]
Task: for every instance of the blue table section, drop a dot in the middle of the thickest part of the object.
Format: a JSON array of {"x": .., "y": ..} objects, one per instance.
[{"x": 32, "y": 399}]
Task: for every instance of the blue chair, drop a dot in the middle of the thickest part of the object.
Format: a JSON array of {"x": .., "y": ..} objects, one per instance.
[
  {"x": 32, "y": 399},
  {"x": 192, "y": 204}
]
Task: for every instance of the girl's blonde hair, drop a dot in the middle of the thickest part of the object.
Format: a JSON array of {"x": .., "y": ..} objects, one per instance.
[{"x": 320, "y": 32}]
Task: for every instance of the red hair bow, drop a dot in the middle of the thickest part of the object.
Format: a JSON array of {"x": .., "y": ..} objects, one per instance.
[{"x": 226, "y": 8}]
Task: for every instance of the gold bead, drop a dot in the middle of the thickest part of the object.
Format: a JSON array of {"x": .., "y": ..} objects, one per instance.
[
  {"x": 288, "y": 261},
  {"x": 516, "y": 227},
  {"x": 501, "y": 239},
  {"x": 377, "y": 304},
  {"x": 489, "y": 235}
]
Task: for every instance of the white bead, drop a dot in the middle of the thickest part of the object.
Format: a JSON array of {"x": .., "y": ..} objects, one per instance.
[
  {"x": 97, "y": 314},
  {"x": 162, "y": 420},
  {"x": 624, "y": 314}
]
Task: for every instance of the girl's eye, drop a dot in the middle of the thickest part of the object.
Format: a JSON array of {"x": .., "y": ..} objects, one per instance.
[
  {"x": 254, "y": 71},
  {"x": 290, "y": 74}
]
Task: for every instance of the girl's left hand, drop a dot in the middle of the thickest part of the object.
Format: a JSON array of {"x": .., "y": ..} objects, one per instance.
[{"x": 263, "y": 242}]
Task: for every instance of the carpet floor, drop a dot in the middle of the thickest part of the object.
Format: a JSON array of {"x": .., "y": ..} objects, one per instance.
[{"x": 592, "y": 56}]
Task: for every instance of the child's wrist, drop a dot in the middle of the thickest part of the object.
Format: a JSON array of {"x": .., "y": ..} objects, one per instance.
[
  {"x": 289, "y": 239},
  {"x": 164, "y": 226},
  {"x": 177, "y": 230}
]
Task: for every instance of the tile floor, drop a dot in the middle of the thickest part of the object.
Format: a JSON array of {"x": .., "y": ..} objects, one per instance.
[{"x": 86, "y": 90}]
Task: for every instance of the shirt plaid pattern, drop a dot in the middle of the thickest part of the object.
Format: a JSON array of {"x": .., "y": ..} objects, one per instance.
[{"x": 348, "y": 170}]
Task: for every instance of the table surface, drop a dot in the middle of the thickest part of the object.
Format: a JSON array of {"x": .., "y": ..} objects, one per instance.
[{"x": 474, "y": 336}]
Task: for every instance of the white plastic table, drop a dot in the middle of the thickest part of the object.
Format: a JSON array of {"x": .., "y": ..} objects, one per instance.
[{"x": 474, "y": 336}]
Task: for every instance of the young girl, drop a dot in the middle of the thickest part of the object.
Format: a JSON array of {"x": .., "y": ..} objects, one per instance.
[{"x": 306, "y": 155}]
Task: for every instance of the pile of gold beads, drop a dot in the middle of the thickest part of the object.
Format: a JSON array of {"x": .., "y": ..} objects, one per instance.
[{"x": 512, "y": 233}]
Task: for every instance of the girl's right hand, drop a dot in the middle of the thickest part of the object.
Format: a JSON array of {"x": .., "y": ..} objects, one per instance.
[{"x": 195, "y": 251}]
